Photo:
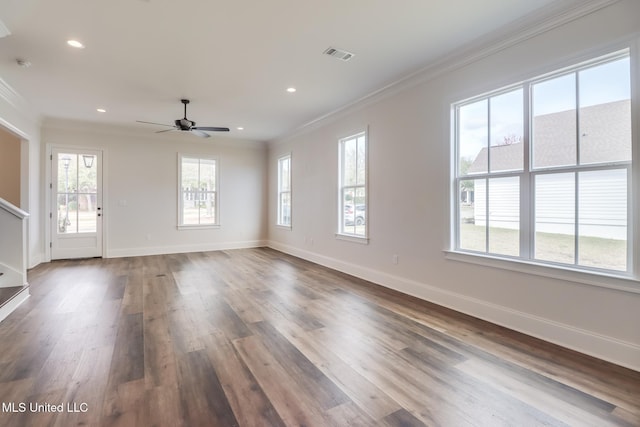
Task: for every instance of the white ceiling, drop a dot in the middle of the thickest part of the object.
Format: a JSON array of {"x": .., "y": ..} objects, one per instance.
[{"x": 233, "y": 59}]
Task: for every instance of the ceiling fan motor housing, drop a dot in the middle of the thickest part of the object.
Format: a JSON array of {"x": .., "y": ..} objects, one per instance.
[{"x": 184, "y": 124}]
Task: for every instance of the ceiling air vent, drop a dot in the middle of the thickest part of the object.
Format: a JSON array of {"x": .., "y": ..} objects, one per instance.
[{"x": 342, "y": 55}]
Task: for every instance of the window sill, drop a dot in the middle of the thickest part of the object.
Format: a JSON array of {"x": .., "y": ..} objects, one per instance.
[
  {"x": 199, "y": 227},
  {"x": 593, "y": 278},
  {"x": 352, "y": 238},
  {"x": 283, "y": 227}
]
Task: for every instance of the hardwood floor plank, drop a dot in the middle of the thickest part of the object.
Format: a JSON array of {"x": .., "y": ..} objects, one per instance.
[
  {"x": 402, "y": 418},
  {"x": 294, "y": 404},
  {"x": 203, "y": 402},
  {"x": 128, "y": 355},
  {"x": 303, "y": 371},
  {"x": 369, "y": 398},
  {"x": 254, "y": 337},
  {"x": 247, "y": 399}
]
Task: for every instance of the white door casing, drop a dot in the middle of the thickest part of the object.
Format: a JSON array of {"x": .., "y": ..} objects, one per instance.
[{"x": 76, "y": 203}]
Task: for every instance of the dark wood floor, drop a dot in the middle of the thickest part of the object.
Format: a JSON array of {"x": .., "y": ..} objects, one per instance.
[{"x": 258, "y": 338}]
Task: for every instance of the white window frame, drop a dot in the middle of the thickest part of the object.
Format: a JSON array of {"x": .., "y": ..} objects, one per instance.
[
  {"x": 341, "y": 234},
  {"x": 215, "y": 191},
  {"x": 281, "y": 192},
  {"x": 526, "y": 262}
]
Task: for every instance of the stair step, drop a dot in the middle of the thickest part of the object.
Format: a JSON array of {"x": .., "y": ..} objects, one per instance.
[{"x": 11, "y": 298}]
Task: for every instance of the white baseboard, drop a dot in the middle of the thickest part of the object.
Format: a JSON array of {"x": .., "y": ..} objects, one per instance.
[
  {"x": 603, "y": 347},
  {"x": 161, "y": 250},
  {"x": 12, "y": 304}
]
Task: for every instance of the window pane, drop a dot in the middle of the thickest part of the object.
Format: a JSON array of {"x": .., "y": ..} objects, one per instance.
[
  {"x": 190, "y": 215},
  {"x": 348, "y": 217},
  {"x": 472, "y": 215},
  {"x": 473, "y": 133},
  {"x": 555, "y": 217},
  {"x": 285, "y": 174},
  {"x": 507, "y": 129},
  {"x": 605, "y": 113},
  {"x": 602, "y": 219},
  {"x": 206, "y": 208},
  {"x": 349, "y": 174},
  {"x": 359, "y": 212},
  {"x": 504, "y": 216},
  {"x": 554, "y": 122},
  {"x": 360, "y": 162},
  {"x": 190, "y": 169},
  {"x": 285, "y": 209},
  {"x": 207, "y": 175}
]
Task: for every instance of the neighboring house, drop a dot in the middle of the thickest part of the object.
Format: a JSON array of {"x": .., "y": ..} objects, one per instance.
[{"x": 605, "y": 136}]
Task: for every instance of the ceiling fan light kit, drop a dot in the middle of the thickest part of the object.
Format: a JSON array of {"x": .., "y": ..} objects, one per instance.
[{"x": 187, "y": 125}]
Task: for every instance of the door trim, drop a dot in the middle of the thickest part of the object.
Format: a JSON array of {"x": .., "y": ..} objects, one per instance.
[{"x": 48, "y": 206}]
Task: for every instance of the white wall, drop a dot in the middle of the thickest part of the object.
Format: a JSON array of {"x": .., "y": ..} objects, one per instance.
[
  {"x": 409, "y": 198},
  {"x": 140, "y": 187}
]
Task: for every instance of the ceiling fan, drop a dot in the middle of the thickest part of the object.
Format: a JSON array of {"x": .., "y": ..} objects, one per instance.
[{"x": 185, "y": 124}]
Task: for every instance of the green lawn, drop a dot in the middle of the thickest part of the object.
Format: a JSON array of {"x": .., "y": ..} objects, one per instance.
[{"x": 594, "y": 251}]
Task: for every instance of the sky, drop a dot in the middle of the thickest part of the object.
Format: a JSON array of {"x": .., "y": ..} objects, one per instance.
[{"x": 600, "y": 84}]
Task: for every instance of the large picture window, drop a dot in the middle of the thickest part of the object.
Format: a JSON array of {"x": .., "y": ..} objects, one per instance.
[
  {"x": 284, "y": 191},
  {"x": 353, "y": 186},
  {"x": 198, "y": 192},
  {"x": 543, "y": 169}
]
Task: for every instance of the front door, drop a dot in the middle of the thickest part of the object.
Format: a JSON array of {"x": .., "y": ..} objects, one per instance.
[{"x": 76, "y": 218}]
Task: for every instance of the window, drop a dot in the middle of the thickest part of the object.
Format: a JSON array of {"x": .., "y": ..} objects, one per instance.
[
  {"x": 284, "y": 191},
  {"x": 198, "y": 192},
  {"x": 543, "y": 169},
  {"x": 352, "y": 204}
]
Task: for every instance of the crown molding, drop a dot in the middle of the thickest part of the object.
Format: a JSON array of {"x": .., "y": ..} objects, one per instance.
[{"x": 530, "y": 26}]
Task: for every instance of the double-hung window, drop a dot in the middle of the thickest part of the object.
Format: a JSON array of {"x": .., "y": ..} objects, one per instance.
[
  {"x": 198, "y": 198},
  {"x": 352, "y": 203},
  {"x": 543, "y": 169},
  {"x": 284, "y": 191}
]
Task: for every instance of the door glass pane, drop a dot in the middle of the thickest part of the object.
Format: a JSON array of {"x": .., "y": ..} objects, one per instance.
[
  {"x": 472, "y": 215},
  {"x": 473, "y": 133},
  {"x": 554, "y": 122},
  {"x": 605, "y": 113},
  {"x": 77, "y": 193},
  {"x": 602, "y": 219},
  {"x": 507, "y": 129},
  {"x": 555, "y": 217},
  {"x": 67, "y": 173},
  {"x": 504, "y": 216}
]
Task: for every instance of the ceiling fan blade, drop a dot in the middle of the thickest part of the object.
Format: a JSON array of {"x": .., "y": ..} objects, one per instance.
[
  {"x": 199, "y": 133},
  {"x": 152, "y": 123},
  {"x": 166, "y": 130},
  {"x": 211, "y": 128}
]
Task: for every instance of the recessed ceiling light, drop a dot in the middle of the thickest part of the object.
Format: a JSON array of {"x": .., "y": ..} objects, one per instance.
[
  {"x": 75, "y": 43},
  {"x": 240, "y": 128},
  {"x": 291, "y": 89},
  {"x": 101, "y": 110}
]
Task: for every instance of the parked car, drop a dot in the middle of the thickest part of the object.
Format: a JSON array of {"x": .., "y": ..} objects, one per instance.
[{"x": 357, "y": 217}]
